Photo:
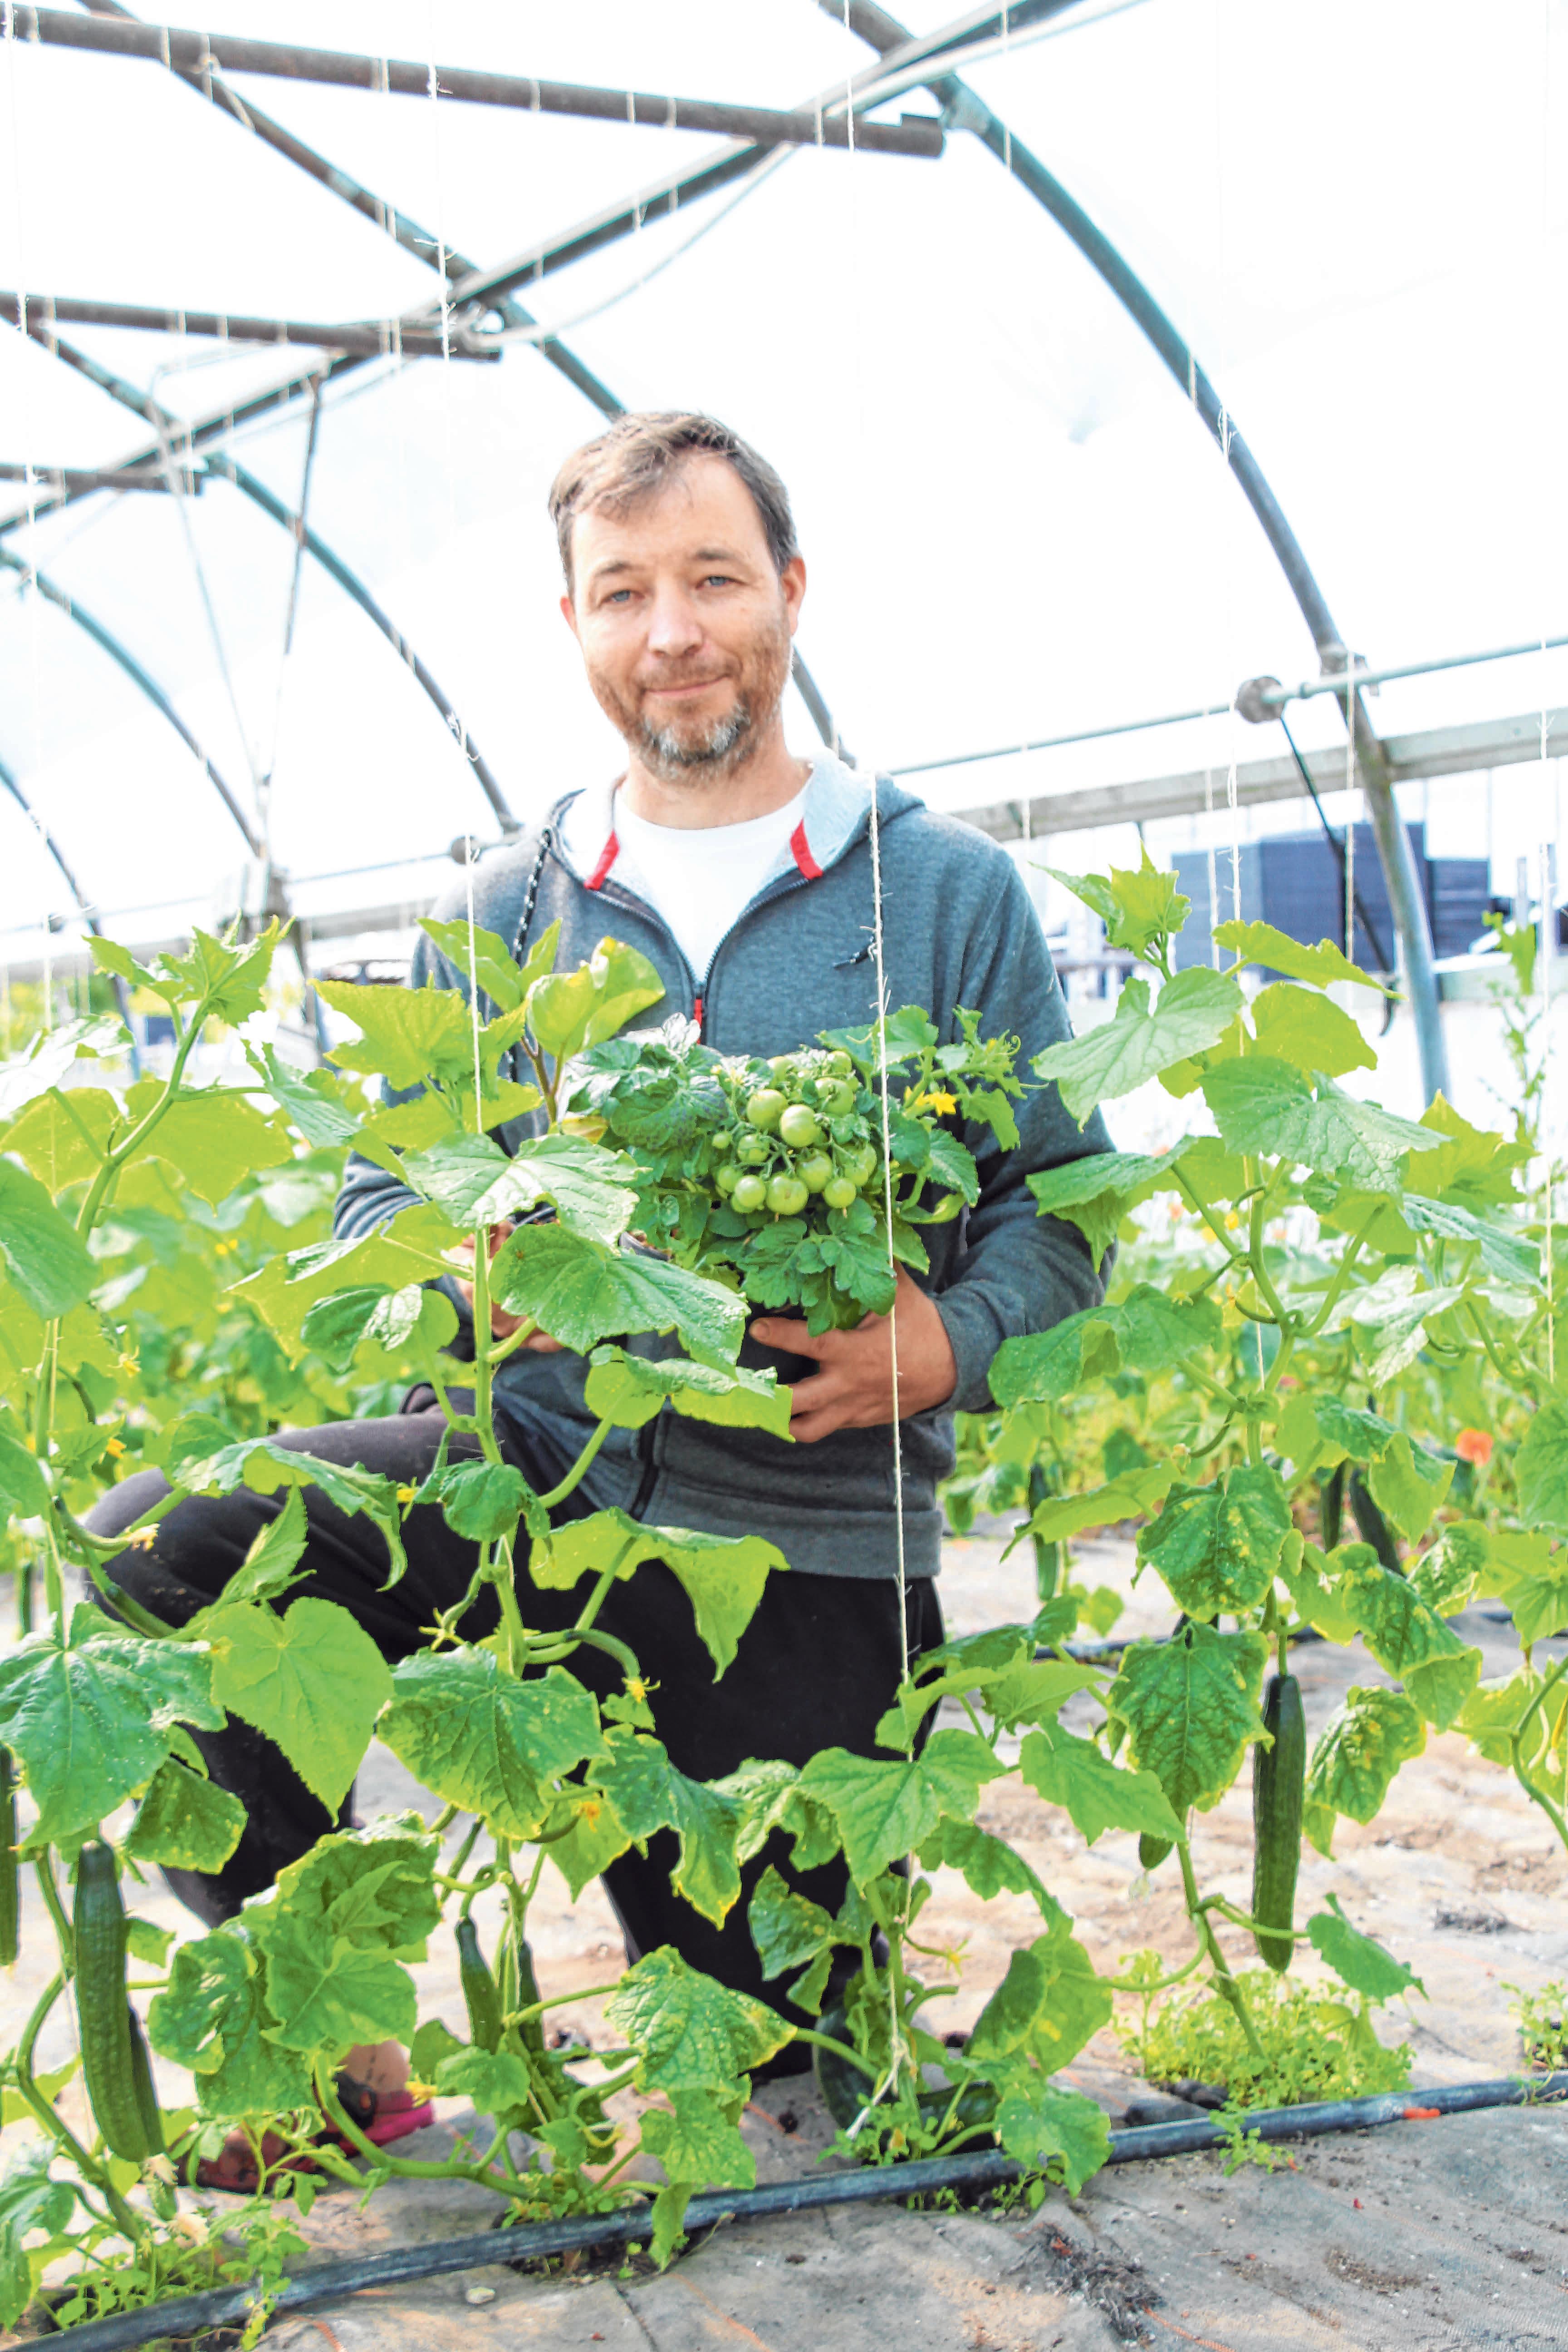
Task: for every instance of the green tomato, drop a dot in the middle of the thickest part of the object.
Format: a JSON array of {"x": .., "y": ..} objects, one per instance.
[
  {"x": 787, "y": 1196},
  {"x": 765, "y": 1107},
  {"x": 798, "y": 1127},
  {"x": 839, "y": 1192},
  {"x": 726, "y": 1177},
  {"x": 750, "y": 1193},
  {"x": 751, "y": 1149},
  {"x": 816, "y": 1172},
  {"x": 862, "y": 1164},
  {"x": 839, "y": 1064},
  {"x": 837, "y": 1097}
]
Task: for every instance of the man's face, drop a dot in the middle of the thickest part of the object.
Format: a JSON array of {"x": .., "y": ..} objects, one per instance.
[{"x": 684, "y": 623}]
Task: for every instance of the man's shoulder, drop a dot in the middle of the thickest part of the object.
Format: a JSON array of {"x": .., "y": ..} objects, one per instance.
[{"x": 925, "y": 838}]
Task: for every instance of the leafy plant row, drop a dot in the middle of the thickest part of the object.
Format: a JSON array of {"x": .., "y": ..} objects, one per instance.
[{"x": 1334, "y": 1284}]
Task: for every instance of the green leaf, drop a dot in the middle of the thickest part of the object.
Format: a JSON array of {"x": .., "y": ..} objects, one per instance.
[
  {"x": 24, "y": 1489},
  {"x": 1278, "y": 951},
  {"x": 582, "y": 1292},
  {"x": 337, "y": 1326},
  {"x": 479, "y": 1500},
  {"x": 1409, "y": 1640},
  {"x": 722, "y": 1576},
  {"x": 770, "y": 1798},
  {"x": 1049, "y": 2003},
  {"x": 648, "y": 1793},
  {"x": 1314, "y": 1589},
  {"x": 214, "y": 2019},
  {"x": 272, "y": 1564},
  {"x": 1530, "y": 1579},
  {"x": 48, "y": 1136},
  {"x": 1357, "y": 1961},
  {"x": 1408, "y": 1485},
  {"x": 192, "y": 1461},
  {"x": 489, "y": 959},
  {"x": 1094, "y": 1194},
  {"x": 1146, "y": 1332},
  {"x": 375, "y": 1887},
  {"x": 698, "y": 2143},
  {"x": 1095, "y": 1793},
  {"x": 1541, "y": 1469},
  {"x": 479, "y": 1739},
  {"x": 788, "y": 1929},
  {"x": 44, "y": 1259},
  {"x": 694, "y": 2034},
  {"x": 1357, "y": 1754},
  {"x": 1262, "y": 1105},
  {"x": 989, "y": 1864},
  {"x": 1309, "y": 1031},
  {"x": 1506, "y": 1254},
  {"x": 230, "y": 980},
  {"x": 331, "y": 1998},
  {"x": 629, "y": 1391},
  {"x": 185, "y": 1822},
  {"x": 1059, "y": 2133},
  {"x": 476, "y": 1184},
  {"x": 1130, "y": 1497},
  {"x": 90, "y": 1720},
  {"x": 324, "y": 1109},
  {"x": 407, "y": 1035},
  {"x": 573, "y": 1009},
  {"x": 312, "y": 1679},
  {"x": 1190, "y": 1706},
  {"x": 1193, "y": 1011},
  {"x": 1217, "y": 1548},
  {"x": 215, "y": 1139},
  {"x": 29, "y": 2200},
  {"x": 495, "y": 2082},
  {"x": 1344, "y": 1429},
  {"x": 1136, "y": 903},
  {"x": 883, "y": 1811},
  {"x": 1448, "y": 1575}
]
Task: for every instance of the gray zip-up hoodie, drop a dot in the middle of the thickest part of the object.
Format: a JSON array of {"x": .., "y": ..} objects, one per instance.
[{"x": 957, "y": 929}]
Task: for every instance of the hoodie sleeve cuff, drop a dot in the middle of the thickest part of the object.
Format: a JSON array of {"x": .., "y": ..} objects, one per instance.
[{"x": 974, "y": 1336}]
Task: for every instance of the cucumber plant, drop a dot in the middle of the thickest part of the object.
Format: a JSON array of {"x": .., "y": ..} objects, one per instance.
[{"x": 1307, "y": 1261}]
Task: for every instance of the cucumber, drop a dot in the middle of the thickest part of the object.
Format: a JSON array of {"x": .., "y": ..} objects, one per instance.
[
  {"x": 1154, "y": 1851},
  {"x": 103, "y": 2010},
  {"x": 151, "y": 2113},
  {"x": 1279, "y": 1785},
  {"x": 10, "y": 1892},
  {"x": 478, "y": 1989},
  {"x": 1373, "y": 1527},
  {"x": 531, "y": 2028}
]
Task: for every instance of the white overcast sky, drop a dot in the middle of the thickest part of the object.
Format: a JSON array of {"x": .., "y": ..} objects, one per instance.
[{"x": 1013, "y": 525}]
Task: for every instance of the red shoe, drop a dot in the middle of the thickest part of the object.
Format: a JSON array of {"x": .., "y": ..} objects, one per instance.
[{"x": 383, "y": 2118}]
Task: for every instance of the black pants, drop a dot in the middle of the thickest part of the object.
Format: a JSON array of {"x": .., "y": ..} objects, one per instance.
[{"x": 816, "y": 1667}]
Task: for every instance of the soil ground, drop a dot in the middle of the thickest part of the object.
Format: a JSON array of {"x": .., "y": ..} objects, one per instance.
[{"x": 1442, "y": 2234}]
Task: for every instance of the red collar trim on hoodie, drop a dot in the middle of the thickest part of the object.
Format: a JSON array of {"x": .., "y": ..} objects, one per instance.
[{"x": 608, "y": 856}]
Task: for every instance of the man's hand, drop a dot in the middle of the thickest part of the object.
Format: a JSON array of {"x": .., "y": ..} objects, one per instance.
[
  {"x": 853, "y": 1389},
  {"x": 504, "y": 1325}
]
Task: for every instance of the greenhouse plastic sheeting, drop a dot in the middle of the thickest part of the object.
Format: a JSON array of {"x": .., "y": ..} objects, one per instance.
[{"x": 1014, "y": 523}]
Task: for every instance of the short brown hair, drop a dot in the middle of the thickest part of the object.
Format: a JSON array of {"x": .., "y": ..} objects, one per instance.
[{"x": 638, "y": 453}]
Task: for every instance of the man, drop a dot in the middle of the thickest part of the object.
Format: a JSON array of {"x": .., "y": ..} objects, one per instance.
[{"x": 745, "y": 875}]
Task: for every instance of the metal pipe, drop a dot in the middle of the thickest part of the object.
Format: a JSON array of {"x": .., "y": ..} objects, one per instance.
[
  {"x": 144, "y": 405},
  {"x": 128, "y": 662},
  {"x": 89, "y": 914},
  {"x": 1272, "y": 697},
  {"x": 193, "y": 52},
  {"x": 664, "y": 197},
  {"x": 400, "y": 226},
  {"x": 363, "y": 338},
  {"x": 220, "y": 463},
  {"x": 79, "y": 479},
  {"x": 964, "y": 110},
  {"x": 869, "y": 2184},
  {"x": 1056, "y": 742},
  {"x": 436, "y": 254}
]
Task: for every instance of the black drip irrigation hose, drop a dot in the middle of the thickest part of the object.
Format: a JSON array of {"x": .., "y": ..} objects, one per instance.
[{"x": 984, "y": 2168}]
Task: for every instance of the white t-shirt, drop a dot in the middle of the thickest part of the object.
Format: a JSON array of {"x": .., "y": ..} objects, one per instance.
[{"x": 699, "y": 879}]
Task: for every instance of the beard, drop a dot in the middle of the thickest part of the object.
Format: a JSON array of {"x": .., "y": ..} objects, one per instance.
[{"x": 702, "y": 752}]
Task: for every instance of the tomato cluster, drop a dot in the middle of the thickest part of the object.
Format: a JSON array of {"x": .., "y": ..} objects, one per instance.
[{"x": 806, "y": 1134}]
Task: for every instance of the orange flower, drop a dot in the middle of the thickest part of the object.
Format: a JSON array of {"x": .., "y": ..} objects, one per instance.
[{"x": 1474, "y": 1445}]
